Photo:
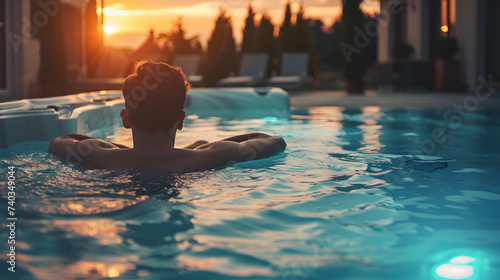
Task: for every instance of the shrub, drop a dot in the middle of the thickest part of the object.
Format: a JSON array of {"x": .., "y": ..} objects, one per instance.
[{"x": 403, "y": 51}]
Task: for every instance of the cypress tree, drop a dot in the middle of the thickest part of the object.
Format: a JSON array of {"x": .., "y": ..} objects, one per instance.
[
  {"x": 322, "y": 44},
  {"x": 334, "y": 42},
  {"x": 248, "y": 32},
  {"x": 301, "y": 33},
  {"x": 265, "y": 42},
  {"x": 220, "y": 59},
  {"x": 286, "y": 31},
  {"x": 305, "y": 41},
  {"x": 179, "y": 43},
  {"x": 353, "y": 57}
]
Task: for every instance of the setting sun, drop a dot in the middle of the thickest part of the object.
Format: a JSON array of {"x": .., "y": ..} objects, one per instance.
[{"x": 109, "y": 29}]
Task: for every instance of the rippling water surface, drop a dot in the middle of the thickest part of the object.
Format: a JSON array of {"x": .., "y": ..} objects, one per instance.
[{"x": 340, "y": 203}]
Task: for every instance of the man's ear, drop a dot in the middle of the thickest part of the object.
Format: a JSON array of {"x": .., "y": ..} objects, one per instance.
[
  {"x": 180, "y": 121},
  {"x": 124, "y": 115}
]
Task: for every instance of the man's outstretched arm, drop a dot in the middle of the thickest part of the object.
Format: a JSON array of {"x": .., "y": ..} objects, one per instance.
[
  {"x": 227, "y": 152},
  {"x": 68, "y": 147},
  {"x": 260, "y": 146},
  {"x": 246, "y": 137},
  {"x": 81, "y": 137}
]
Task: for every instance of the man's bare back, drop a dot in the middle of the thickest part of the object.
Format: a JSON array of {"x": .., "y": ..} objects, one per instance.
[{"x": 83, "y": 150}]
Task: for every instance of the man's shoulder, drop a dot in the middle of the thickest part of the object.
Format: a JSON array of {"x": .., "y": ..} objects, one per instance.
[
  {"x": 98, "y": 154},
  {"x": 208, "y": 156}
]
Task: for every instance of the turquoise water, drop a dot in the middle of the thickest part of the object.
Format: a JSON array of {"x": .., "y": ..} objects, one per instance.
[{"x": 340, "y": 203}]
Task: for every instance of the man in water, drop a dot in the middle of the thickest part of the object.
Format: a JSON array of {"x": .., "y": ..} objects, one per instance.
[{"x": 154, "y": 101}]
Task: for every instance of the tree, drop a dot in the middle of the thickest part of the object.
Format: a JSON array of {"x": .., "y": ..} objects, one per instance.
[
  {"x": 334, "y": 42},
  {"x": 220, "y": 58},
  {"x": 53, "y": 61},
  {"x": 93, "y": 39},
  {"x": 302, "y": 34},
  {"x": 175, "y": 42},
  {"x": 352, "y": 47},
  {"x": 298, "y": 37},
  {"x": 179, "y": 43},
  {"x": 265, "y": 42},
  {"x": 247, "y": 43},
  {"x": 286, "y": 31},
  {"x": 322, "y": 43},
  {"x": 305, "y": 41}
]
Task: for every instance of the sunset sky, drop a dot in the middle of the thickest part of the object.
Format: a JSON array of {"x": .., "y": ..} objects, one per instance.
[{"x": 130, "y": 20}]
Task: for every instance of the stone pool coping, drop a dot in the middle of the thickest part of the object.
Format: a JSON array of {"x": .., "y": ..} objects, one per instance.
[{"x": 438, "y": 100}]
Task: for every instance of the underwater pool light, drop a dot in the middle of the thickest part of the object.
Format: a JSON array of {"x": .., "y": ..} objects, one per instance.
[
  {"x": 460, "y": 267},
  {"x": 455, "y": 271},
  {"x": 462, "y": 260},
  {"x": 270, "y": 119}
]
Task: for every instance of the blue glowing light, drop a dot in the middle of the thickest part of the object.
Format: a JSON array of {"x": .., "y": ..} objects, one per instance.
[
  {"x": 460, "y": 267},
  {"x": 462, "y": 260},
  {"x": 270, "y": 119},
  {"x": 455, "y": 271}
]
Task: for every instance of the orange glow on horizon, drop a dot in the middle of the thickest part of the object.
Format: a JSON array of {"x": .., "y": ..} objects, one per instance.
[
  {"x": 131, "y": 20},
  {"x": 109, "y": 29}
]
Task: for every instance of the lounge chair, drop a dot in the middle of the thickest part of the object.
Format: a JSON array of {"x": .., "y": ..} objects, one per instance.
[
  {"x": 189, "y": 64},
  {"x": 252, "y": 70},
  {"x": 293, "y": 71}
]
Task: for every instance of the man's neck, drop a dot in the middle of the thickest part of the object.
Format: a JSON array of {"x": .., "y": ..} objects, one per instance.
[{"x": 153, "y": 141}]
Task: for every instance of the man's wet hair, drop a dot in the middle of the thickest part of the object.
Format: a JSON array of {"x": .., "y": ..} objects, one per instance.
[{"x": 154, "y": 95}]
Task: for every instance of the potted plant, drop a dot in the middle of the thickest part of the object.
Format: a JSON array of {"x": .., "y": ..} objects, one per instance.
[
  {"x": 402, "y": 73},
  {"x": 403, "y": 51},
  {"x": 406, "y": 73},
  {"x": 447, "y": 66}
]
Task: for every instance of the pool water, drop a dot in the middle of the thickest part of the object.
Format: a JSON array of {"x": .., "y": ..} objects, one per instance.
[{"x": 342, "y": 202}]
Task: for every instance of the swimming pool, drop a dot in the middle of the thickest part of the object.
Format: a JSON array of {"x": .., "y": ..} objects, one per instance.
[{"x": 344, "y": 201}]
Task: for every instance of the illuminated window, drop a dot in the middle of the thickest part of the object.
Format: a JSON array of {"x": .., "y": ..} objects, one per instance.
[{"x": 448, "y": 17}]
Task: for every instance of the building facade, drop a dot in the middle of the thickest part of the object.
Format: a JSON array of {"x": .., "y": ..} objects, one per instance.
[
  {"x": 20, "y": 24},
  {"x": 421, "y": 23}
]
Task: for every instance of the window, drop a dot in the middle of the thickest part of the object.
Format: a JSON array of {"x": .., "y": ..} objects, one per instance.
[
  {"x": 448, "y": 17},
  {"x": 400, "y": 25}
]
